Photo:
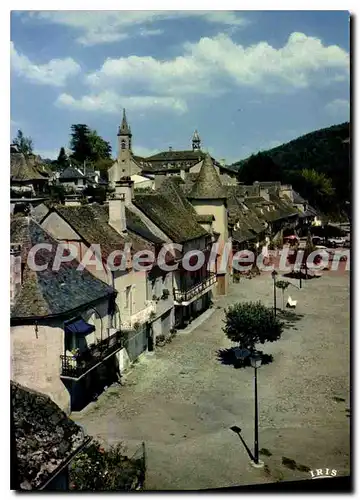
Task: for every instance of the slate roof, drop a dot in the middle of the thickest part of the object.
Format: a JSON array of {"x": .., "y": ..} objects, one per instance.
[
  {"x": 44, "y": 437},
  {"x": 24, "y": 169},
  {"x": 207, "y": 185},
  {"x": 136, "y": 225},
  {"x": 205, "y": 218},
  {"x": 284, "y": 207},
  {"x": 50, "y": 292},
  {"x": 171, "y": 212},
  {"x": 91, "y": 222},
  {"x": 70, "y": 173},
  {"x": 298, "y": 199}
]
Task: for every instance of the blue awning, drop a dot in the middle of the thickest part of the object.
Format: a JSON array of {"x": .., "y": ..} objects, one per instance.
[{"x": 79, "y": 326}]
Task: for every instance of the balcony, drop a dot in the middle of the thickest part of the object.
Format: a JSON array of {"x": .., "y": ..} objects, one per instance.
[
  {"x": 75, "y": 367},
  {"x": 185, "y": 297}
]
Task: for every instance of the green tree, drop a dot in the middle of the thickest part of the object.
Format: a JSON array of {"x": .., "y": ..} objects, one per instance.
[
  {"x": 87, "y": 145},
  {"x": 62, "y": 160},
  {"x": 80, "y": 143},
  {"x": 259, "y": 167},
  {"x": 317, "y": 188},
  {"x": 250, "y": 323},
  {"x": 24, "y": 144},
  {"x": 100, "y": 149}
]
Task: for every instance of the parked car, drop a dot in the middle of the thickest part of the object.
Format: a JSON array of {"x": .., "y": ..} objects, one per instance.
[{"x": 336, "y": 242}]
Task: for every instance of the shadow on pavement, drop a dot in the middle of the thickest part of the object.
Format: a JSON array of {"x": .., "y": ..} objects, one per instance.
[
  {"x": 227, "y": 357},
  {"x": 296, "y": 275},
  {"x": 289, "y": 318}
]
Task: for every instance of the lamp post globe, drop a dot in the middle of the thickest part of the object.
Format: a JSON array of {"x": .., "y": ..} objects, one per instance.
[{"x": 255, "y": 360}]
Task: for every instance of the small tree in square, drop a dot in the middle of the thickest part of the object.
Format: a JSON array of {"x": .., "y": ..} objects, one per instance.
[
  {"x": 283, "y": 285},
  {"x": 250, "y": 323}
]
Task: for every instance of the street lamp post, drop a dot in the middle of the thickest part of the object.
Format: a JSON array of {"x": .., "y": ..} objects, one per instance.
[
  {"x": 274, "y": 274},
  {"x": 256, "y": 363}
]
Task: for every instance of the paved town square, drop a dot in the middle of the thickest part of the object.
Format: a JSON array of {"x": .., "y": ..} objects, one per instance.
[{"x": 183, "y": 399}]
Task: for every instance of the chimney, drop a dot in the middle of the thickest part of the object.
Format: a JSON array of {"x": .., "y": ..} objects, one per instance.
[
  {"x": 117, "y": 216},
  {"x": 125, "y": 186},
  {"x": 286, "y": 191},
  {"x": 72, "y": 200},
  {"x": 264, "y": 193},
  {"x": 158, "y": 180},
  {"x": 182, "y": 174},
  {"x": 15, "y": 271}
]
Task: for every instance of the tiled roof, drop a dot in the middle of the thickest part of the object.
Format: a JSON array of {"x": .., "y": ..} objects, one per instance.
[
  {"x": 171, "y": 212},
  {"x": 91, "y": 222},
  {"x": 298, "y": 199},
  {"x": 207, "y": 185},
  {"x": 137, "y": 226},
  {"x": 50, "y": 292},
  {"x": 205, "y": 218},
  {"x": 45, "y": 438},
  {"x": 24, "y": 169}
]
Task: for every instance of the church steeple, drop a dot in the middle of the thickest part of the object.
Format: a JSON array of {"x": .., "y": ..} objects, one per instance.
[
  {"x": 124, "y": 134},
  {"x": 124, "y": 128},
  {"x": 196, "y": 141}
]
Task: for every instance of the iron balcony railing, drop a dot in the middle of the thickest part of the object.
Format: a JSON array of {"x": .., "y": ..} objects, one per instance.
[
  {"x": 181, "y": 295},
  {"x": 78, "y": 365}
]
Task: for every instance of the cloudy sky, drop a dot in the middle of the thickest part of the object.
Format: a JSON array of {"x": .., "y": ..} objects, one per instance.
[{"x": 246, "y": 80}]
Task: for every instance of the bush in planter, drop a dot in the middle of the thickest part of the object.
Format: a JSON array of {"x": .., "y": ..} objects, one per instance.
[
  {"x": 97, "y": 469},
  {"x": 160, "y": 340},
  {"x": 156, "y": 299},
  {"x": 250, "y": 323},
  {"x": 165, "y": 294}
]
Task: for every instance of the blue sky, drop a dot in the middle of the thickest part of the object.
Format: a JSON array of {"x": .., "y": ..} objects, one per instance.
[{"x": 246, "y": 80}]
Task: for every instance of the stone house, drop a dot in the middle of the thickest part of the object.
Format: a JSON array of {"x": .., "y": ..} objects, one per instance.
[
  {"x": 141, "y": 300},
  {"x": 27, "y": 175},
  {"x": 63, "y": 328},
  {"x": 37, "y": 421},
  {"x": 73, "y": 179},
  {"x": 170, "y": 211}
]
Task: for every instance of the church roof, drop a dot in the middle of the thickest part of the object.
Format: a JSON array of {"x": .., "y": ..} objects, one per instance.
[{"x": 208, "y": 185}]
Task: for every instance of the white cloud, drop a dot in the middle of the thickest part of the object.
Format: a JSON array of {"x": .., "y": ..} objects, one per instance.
[
  {"x": 338, "y": 108},
  {"x": 55, "y": 72},
  {"x": 211, "y": 63},
  {"x": 96, "y": 27},
  {"x": 111, "y": 102}
]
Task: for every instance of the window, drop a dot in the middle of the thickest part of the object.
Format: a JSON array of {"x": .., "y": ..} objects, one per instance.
[
  {"x": 128, "y": 297},
  {"x": 123, "y": 144}
]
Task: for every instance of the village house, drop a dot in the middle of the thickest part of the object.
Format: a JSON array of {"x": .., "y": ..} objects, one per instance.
[
  {"x": 28, "y": 176},
  {"x": 73, "y": 179},
  {"x": 63, "y": 321},
  {"x": 144, "y": 297},
  {"x": 44, "y": 441}
]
